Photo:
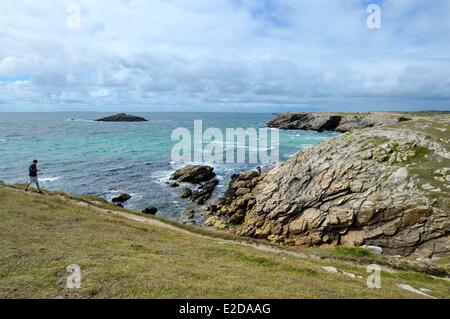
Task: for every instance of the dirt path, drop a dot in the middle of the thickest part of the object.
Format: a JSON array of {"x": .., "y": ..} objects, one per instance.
[
  {"x": 160, "y": 224},
  {"x": 157, "y": 223}
]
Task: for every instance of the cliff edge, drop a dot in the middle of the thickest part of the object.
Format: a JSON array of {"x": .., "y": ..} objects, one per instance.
[{"x": 340, "y": 122}]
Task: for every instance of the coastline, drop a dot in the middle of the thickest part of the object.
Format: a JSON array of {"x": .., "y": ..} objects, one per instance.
[
  {"x": 104, "y": 159},
  {"x": 225, "y": 210},
  {"x": 380, "y": 185}
]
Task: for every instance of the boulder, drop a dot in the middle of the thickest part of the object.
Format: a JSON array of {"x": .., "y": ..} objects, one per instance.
[
  {"x": 186, "y": 192},
  {"x": 190, "y": 214},
  {"x": 122, "y": 117},
  {"x": 216, "y": 222},
  {"x": 242, "y": 191},
  {"x": 122, "y": 198},
  {"x": 173, "y": 184},
  {"x": 204, "y": 192},
  {"x": 194, "y": 174},
  {"x": 378, "y": 251},
  {"x": 150, "y": 211}
]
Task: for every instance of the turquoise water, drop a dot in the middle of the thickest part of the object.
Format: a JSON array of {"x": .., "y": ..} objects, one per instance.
[{"x": 82, "y": 156}]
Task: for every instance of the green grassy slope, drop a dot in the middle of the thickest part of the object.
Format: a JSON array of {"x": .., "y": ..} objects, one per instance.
[{"x": 42, "y": 234}]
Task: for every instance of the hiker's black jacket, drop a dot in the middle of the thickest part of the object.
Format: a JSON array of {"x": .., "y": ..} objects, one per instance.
[{"x": 33, "y": 170}]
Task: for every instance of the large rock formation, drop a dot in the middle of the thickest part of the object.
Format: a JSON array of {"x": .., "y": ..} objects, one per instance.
[
  {"x": 340, "y": 122},
  {"x": 193, "y": 174},
  {"x": 122, "y": 117},
  {"x": 387, "y": 186}
]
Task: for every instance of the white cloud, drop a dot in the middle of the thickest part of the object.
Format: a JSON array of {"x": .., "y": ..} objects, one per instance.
[
  {"x": 100, "y": 93},
  {"x": 216, "y": 54}
]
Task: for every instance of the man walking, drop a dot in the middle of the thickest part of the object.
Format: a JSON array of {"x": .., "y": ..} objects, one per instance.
[{"x": 33, "y": 176}]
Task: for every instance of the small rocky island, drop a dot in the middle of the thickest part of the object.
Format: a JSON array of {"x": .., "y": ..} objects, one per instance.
[{"x": 122, "y": 117}]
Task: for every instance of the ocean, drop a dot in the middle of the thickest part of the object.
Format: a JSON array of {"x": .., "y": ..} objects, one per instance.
[{"x": 81, "y": 156}]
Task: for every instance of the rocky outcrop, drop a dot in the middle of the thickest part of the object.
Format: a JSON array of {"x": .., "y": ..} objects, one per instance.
[
  {"x": 122, "y": 117},
  {"x": 193, "y": 174},
  {"x": 196, "y": 174},
  {"x": 340, "y": 122},
  {"x": 203, "y": 192},
  {"x": 359, "y": 188},
  {"x": 186, "y": 192}
]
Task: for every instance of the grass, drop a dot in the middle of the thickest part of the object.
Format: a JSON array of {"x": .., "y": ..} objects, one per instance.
[
  {"x": 435, "y": 126},
  {"x": 42, "y": 234},
  {"x": 356, "y": 252},
  {"x": 421, "y": 152},
  {"x": 92, "y": 200}
]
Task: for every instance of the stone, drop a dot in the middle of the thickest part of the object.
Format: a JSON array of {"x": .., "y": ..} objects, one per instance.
[
  {"x": 242, "y": 191},
  {"x": 190, "y": 214},
  {"x": 216, "y": 222},
  {"x": 348, "y": 274},
  {"x": 173, "y": 184},
  {"x": 414, "y": 216},
  {"x": 249, "y": 175},
  {"x": 193, "y": 174},
  {"x": 204, "y": 192},
  {"x": 330, "y": 269},
  {"x": 353, "y": 238},
  {"x": 378, "y": 251},
  {"x": 186, "y": 192},
  {"x": 150, "y": 211},
  {"x": 305, "y": 221},
  {"x": 399, "y": 176},
  {"x": 122, "y": 198},
  {"x": 414, "y": 290}
]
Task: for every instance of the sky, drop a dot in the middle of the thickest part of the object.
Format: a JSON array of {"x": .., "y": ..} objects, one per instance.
[{"x": 223, "y": 55}]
